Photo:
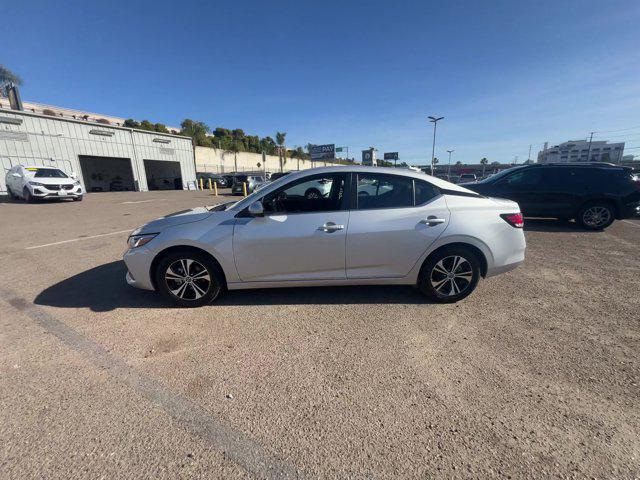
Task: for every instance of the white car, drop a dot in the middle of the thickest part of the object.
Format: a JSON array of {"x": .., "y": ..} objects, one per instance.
[
  {"x": 31, "y": 182},
  {"x": 410, "y": 229}
]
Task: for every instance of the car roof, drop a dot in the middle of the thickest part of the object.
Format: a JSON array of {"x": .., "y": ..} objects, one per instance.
[{"x": 438, "y": 182}]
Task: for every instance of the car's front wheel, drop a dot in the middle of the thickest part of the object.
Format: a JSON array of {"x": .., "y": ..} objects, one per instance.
[
  {"x": 26, "y": 194},
  {"x": 450, "y": 274},
  {"x": 596, "y": 215},
  {"x": 188, "y": 279}
]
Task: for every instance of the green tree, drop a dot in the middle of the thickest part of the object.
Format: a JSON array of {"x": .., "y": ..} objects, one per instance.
[
  {"x": 131, "y": 123},
  {"x": 268, "y": 146},
  {"x": 196, "y": 130},
  {"x": 458, "y": 163},
  {"x": 147, "y": 125},
  {"x": 282, "y": 154},
  {"x": 7, "y": 75},
  {"x": 483, "y": 162},
  {"x": 161, "y": 128}
]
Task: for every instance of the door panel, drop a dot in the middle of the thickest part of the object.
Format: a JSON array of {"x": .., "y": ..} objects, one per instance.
[
  {"x": 388, "y": 242},
  {"x": 290, "y": 247}
]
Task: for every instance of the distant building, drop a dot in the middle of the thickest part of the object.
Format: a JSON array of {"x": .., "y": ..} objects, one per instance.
[
  {"x": 579, "y": 151},
  {"x": 71, "y": 114}
]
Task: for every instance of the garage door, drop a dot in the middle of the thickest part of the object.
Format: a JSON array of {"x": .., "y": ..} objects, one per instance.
[
  {"x": 107, "y": 174},
  {"x": 163, "y": 175}
]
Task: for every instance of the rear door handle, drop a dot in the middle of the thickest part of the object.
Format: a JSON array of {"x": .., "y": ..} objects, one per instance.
[
  {"x": 432, "y": 220},
  {"x": 331, "y": 227}
]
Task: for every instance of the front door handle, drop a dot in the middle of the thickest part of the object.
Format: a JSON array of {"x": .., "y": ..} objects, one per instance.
[
  {"x": 331, "y": 227},
  {"x": 432, "y": 220}
]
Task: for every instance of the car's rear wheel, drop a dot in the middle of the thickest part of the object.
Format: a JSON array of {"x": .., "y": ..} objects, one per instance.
[
  {"x": 596, "y": 215},
  {"x": 450, "y": 274},
  {"x": 188, "y": 279},
  {"x": 26, "y": 194}
]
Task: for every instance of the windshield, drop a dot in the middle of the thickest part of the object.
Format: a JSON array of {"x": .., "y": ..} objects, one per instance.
[{"x": 48, "y": 173}]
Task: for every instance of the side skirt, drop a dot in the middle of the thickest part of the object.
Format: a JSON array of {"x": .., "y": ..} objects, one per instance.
[{"x": 321, "y": 283}]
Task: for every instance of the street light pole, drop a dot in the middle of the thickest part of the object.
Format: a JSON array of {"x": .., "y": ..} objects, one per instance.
[
  {"x": 449, "y": 169},
  {"x": 434, "y": 120}
]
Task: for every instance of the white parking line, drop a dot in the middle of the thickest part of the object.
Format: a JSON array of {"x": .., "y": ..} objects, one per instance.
[
  {"x": 79, "y": 238},
  {"x": 632, "y": 223},
  {"x": 144, "y": 201}
]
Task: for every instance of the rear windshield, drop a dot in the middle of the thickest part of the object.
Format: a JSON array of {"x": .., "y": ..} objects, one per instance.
[
  {"x": 48, "y": 173},
  {"x": 240, "y": 178}
]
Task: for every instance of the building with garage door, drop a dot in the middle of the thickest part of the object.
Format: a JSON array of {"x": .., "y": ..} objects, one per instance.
[{"x": 105, "y": 158}]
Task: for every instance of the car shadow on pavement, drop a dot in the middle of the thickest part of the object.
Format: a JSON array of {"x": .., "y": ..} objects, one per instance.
[
  {"x": 100, "y": 289},
  {"x": 553, "y": 225},
  {"x": 103, "y": 288}
]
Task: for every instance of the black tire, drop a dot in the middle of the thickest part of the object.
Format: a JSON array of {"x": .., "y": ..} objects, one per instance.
[
  {"x": 439, "y": 286},
  {"x": 78, "y": 198},
  {"x": 596, "y": 215},
  {"x": 312, "y": 193},
  {"x": 12, "y": 196},
  {"x": 194, "y": 280},
  {"x": 26, "y": 194}
]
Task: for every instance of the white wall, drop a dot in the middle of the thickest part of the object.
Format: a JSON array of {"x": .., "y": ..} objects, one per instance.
[
  {"x": 51, "y": 141},
  {"x": 219, "y": 161}
]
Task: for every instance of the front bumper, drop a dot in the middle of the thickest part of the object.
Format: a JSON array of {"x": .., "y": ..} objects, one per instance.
[
  {"x": 138, "y": 262},
  {"x": 44, "y": 191}
]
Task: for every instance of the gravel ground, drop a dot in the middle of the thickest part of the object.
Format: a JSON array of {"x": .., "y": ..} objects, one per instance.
[{"x": 534, "y": 375}]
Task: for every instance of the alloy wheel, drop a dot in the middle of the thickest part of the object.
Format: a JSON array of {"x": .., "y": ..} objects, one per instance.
[
  {"x": 451, "y": 276},
  {"x": 596, "y": 216},
  {"x": 187, "y": 279}
]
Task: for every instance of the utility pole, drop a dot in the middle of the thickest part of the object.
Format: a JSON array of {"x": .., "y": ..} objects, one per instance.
[
  {"x": 434, "y": 120},
  {"x": 589, "y": 152},
  {"x": 449, "y": 169}
]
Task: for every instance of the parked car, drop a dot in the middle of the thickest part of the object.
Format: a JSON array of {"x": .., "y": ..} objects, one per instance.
[
  {"x": 251, "y": 181},
  {"x": 417, "y": 230},
  {"x": 467, "y": 177},
  {"x": 31, "y": 182},
  {"x": 277, "y": 175},
  {"x": 592, "y": 194},
  {"x": 219, "y": 180}
]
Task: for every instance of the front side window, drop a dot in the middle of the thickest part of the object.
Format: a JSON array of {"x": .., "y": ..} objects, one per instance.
[
  {"x": 524, "y": 177},
  {"x": 384, "y": 191},
  {"x": 319, "y": 193}
]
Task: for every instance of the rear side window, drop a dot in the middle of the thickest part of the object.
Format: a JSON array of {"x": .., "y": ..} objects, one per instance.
[
  {"x": 424, "y": 192},
  {"x": 384, "y": 191}
]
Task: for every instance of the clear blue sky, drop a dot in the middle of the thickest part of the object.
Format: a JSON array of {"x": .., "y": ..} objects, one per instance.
[{"x": 505, "y": 74}]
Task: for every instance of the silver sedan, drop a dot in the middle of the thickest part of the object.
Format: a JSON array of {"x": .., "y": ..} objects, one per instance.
[{"x": 331, "y": 226}]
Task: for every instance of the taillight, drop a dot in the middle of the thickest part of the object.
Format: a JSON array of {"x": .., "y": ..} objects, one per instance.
[{"x": 514, "y": 219}]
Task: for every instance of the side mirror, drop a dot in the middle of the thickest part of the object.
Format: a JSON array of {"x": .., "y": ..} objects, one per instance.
[
  {"x": 16, "y": 174},
  {"x": 74, "y": 175},
  {"x": 256, "y": 209}
]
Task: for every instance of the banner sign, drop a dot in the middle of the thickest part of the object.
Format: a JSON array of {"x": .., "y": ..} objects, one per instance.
[
  {"x": 323, "y": 152},
  {"x": 391, "y": 156}
]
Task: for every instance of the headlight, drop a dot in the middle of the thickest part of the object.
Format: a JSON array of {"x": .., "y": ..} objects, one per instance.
[
  {"x": 76, "y": 183},
  {"x": 136, "y": 241},
  {"x": 36, "y": 184}
]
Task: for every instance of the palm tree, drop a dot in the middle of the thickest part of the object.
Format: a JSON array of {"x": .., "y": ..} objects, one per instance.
[
  {"x": 280, "y": 138},
  {"x": 7, "y": 75},
  {"x": 484, "y": 162}
]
